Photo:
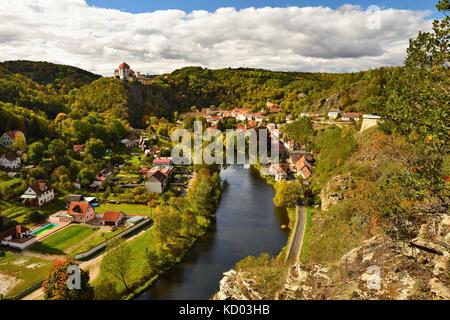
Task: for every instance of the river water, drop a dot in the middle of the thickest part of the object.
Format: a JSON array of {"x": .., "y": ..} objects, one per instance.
[{"x": 247, "y": 223}]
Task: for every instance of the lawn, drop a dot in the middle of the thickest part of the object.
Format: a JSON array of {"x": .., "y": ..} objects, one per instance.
[
  {"x": 62, "y": 241},
  {"x": 130, "y": 209},
  {"x": 7, "y": 183},
  {"x": 306, "y": 245},
  {"x": 139, "y": 248},
  {"x": 19, "y": 272}
]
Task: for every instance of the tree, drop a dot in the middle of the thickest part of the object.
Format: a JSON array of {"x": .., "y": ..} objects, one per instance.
[
  {"x": 419, "y": 102},
  {"x": 288, "y": 193},
  {"x": 36, "y": 152},
  {"x": 118, "y": 261},
  {"x": 37, "y": 173},
  {"x": 96, "y": 148},
  {"x": 86, "y": 176},
  {"x": 167, "y": 223},
  {"x": 61, "y": 174},
  {"x": 57, "y": 148},
  {"x": 55, "y": 286},
  {"x": 106, "y": 289},
  {"x": 419, "y": 105}
]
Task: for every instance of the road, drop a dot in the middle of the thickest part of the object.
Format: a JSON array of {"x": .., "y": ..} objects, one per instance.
[{"x": 297, "y": 242}]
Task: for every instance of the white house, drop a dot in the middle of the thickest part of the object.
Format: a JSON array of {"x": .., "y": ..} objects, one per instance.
[
  {"x": 278, "y": 172},
  {"x": 40, "y": 193},
  {"x": 8, "y": 138},
  {"x": 10, "y": 160},
  {"x": 156, "y": 183},
  {"x": 333, "y": 114},
  {"x": 18, "y": 237}
]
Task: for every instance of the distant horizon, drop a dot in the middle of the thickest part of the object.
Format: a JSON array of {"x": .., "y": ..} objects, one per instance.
[
  {"x": 197, "y": 66},
  {"x": 309, "y": 36}
]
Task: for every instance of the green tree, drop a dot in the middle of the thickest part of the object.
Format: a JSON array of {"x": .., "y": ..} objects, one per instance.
[
  {"x": 86, "y": 176},
  {"x": 419, "y": 102},
  {"x": 36, "y": 152},
  {"x": 118, "y": 261},
  {"x": 288, "y": 193},
  {"x": 57, "y": 148},
  {"x": 96, "y": 148}
]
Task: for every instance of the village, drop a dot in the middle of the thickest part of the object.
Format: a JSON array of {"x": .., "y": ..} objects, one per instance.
[{"x": 80, "y": 220}]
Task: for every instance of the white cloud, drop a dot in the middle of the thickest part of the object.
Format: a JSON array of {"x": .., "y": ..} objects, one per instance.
[{"x": 293, "y": 38}]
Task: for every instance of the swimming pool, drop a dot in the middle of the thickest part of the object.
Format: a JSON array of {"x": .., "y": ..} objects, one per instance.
[{"x": 40, "y": 231}]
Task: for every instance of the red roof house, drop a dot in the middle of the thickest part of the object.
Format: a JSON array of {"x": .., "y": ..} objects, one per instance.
[
  {"x": 82, "y": 212},
  {"x": 112, "y": 218}
]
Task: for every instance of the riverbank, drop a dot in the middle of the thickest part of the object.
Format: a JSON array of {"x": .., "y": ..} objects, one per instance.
[
  {"x": 246, "y": 223},
  {"x": 178, "y": 224}
]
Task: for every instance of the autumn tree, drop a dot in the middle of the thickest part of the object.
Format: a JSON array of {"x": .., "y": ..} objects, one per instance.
[{"x": 56, "y": 287}]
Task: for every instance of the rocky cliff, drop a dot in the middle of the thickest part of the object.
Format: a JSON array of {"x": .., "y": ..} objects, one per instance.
[{"x": 380, "y": 268}]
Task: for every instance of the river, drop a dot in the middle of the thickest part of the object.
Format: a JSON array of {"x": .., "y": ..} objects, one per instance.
[{"x": 247, "y": 223}]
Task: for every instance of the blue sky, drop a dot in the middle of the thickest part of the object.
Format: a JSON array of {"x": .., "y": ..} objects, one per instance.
[{"x": 138, "y": 6}]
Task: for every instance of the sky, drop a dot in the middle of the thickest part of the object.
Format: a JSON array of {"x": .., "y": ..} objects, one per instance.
[
  {"x": 139, "y": 6},
  {"x": 160, "y": 36}
]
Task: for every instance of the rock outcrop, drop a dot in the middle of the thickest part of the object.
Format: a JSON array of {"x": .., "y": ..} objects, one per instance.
[
  {"x": 378, "y": 269},
  {"x": 335, "y": 190}
]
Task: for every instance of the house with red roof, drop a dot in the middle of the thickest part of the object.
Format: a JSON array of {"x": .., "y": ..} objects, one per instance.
[
  {"x": 164, "y": 161},
  {"x": 113, "y": 218},
  {"x": 303, "y": 167},
  {"x": 82, "y": 212},
  {"x": 351, "y": 116},
  {"x": 78, "y": 148},
  {"x": 123, "y": 72}
]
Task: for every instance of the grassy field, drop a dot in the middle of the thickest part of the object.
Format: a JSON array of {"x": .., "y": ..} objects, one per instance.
[
  {"x": 306, "y": 247},
  {"x": 62, "y": 241},
  {"x": 19, "y": 272},
  {"x": 138, "y": 249},
  {"x": 131, "y": 209}
]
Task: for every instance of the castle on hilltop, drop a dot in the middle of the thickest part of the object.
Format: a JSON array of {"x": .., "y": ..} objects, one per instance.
[{"x": 124, "y": 72}]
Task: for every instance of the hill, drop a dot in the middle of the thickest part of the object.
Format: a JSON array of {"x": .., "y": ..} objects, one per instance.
[{"x": 61, "y": 76}]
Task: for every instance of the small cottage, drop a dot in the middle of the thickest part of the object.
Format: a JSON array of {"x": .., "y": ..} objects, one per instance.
[{"x": 157, "y": 182}]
